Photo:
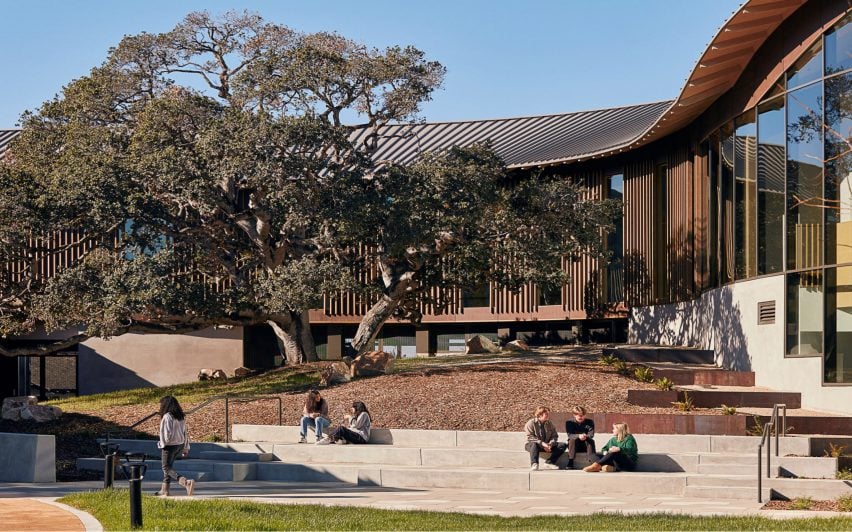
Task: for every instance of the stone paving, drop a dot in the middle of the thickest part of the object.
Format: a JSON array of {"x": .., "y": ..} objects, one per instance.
[{"x": 31, "y": 506}]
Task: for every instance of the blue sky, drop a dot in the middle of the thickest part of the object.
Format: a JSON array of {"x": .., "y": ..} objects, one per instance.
[{"x": 504, "y": 58}]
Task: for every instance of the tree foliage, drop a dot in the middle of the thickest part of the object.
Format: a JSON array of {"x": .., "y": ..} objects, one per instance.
[{"x": 210, "y": 175}]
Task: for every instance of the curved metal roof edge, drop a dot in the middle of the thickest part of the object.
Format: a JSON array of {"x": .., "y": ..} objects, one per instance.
[{"x": 738, "y": 20}]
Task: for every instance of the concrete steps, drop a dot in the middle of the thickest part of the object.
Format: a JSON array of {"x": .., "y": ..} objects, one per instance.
[
  {"x": 707, "y": 374},
  {"x": 670, "y": 465}
]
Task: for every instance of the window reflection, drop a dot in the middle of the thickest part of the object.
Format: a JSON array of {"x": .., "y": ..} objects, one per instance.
[
  {"x": 838, "y": 325},
  {"x": 838, "y": 47},
  {"x": 838, "y": 169},
  {"x": 770, "y": 187},
  {"x": 745, "y": 175},
  {"x": 808, "y": 68},
  {"x": 726, "y": 218},
  {"x": 804, "y": 313},
  {"x": 804, "y": 177}
]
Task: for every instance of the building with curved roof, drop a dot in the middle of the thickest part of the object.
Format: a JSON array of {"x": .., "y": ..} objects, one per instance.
[{"x": 736, "y": 233}]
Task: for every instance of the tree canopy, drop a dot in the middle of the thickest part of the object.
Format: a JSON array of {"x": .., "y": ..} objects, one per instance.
[{"x": 209, "y": 177}]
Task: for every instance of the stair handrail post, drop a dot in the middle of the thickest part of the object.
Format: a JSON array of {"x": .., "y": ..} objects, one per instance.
[
  {"x": 775, "y": 409},
  {"x": 280, "y": 410},
  {"x": 227, "y": 421},
  {"x": 765, "y": 439}
]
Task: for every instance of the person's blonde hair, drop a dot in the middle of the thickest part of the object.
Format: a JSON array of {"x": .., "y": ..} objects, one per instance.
[
  {"x": 622, "y": 430},
  {"x": 579, "y": 410},
  {"x": 541, "y": 410}
]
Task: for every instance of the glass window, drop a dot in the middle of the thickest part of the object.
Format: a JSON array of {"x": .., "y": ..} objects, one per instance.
[
  {"x": 480, "y": 296},
  {"x": 838, "y": 169},
  {"x": 838, "y": 47},
  {"x": 804, "y": 313},
  {"x": 726, "y": 176},
  {"x": 712, "y": 150},
  {"x": 770, "y": 187},
  {"x": 838, "y": 325},
  {"x": 661, "y": 224},
  {"x": 808, "y": 67},
  {"x": 549, "y": 295},
  {"x": 615, "y": 243},
  {"x": 745, "y": 175},
  {"x": 804, "y": 177}
]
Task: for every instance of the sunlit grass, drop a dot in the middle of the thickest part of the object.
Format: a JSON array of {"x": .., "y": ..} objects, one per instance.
[{"x": 111, "y": 508}]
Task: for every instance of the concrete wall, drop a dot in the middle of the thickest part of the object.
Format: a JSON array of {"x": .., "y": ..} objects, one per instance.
[
  {"x": 135, "y": 360},
  {"x": 27, "y": 458},
  {"x": 725, "y": 320}
]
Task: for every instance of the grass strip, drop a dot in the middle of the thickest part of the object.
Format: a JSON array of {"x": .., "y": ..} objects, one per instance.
[{"x": 111, "y": 508}]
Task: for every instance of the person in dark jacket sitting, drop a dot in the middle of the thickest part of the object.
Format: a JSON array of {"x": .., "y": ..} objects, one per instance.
[
  {"x": 542, "y": 436},
  {"x": 581, "y": 434}
]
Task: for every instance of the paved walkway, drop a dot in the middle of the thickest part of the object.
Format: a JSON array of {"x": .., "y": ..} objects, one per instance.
[{"x": 31, "y": 506}]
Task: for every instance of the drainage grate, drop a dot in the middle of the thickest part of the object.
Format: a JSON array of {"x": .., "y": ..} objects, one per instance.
[{"x": 766, "y": 313}]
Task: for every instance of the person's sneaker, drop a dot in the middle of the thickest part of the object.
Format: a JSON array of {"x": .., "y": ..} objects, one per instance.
[
  {"x": 550, "y": 465},
  {"x": 533, "y": 467},
  {"x": 594, "y": 468},
  {"x": 608, "y": 469},
  {"x": 344, "y": 442},
  {"x": 325, "y": 441},
  {"x": 302, "y": 439},
  {"x": 570, "y": 464}
]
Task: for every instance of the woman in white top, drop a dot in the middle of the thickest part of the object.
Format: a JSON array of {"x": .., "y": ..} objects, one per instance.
[
  {"x": 173, "y": 441},
  {"x": 358, "y": 430}
]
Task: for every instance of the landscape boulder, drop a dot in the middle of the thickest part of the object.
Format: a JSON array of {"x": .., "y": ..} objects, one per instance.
[
  {"x": 40, "y": 413},
  {"x": 335, "y": 373},
  {"x": 209, "y": 373},
  {"x": 517, "y": 345},
  {"x": 27, "y": 408},
  {"x": 243, "y": 372},
  {"x": 480, "y": 344},
  {"x": 371, "y": 364},
  {"x": 12, "y": 406}
]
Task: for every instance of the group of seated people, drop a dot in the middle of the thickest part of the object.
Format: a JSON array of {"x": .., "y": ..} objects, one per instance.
[
  {"x": 620, "y": 452},
  {"x": 355, "y": 429}
]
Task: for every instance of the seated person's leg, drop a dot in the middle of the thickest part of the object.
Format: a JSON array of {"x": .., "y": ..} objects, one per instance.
[
  {"x": 321, "y": 426},
  {"x": 623, "y": 462},
  {"x": 556, "y": 451},
  {"x": 306, "y": 422},
  {"x": 534, "y": 450}
]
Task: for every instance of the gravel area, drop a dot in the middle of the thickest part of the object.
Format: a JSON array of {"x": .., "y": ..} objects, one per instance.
[{"x": 492, "y": 395}]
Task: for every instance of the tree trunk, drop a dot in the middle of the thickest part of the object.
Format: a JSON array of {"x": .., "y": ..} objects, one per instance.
[
  {"x": 372, "y": 322},
  {"x": 288, "y": 339},
  {"x": 303, "y": 325}
]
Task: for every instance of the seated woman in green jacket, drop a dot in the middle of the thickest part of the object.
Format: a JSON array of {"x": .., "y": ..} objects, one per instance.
[{"x": 620, "y": 452}]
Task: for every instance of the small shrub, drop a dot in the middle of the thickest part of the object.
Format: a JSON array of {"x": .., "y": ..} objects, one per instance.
[
  {"x": 664, "y": 384},
  {"x": 844, "y": 474},
  {"x": 686, "y": 405},
  {"x": 729, "y": 410},
  {"x": 213, "y": 438},
  {"x": 835, "y": 450},
  {"x": 644, "y": 374},
  {"x": 801, "y": 503},
  {"x": 608, "y": 359},
  {"x": 621, "y": 367},
  {"x": 844, "y": 503}
]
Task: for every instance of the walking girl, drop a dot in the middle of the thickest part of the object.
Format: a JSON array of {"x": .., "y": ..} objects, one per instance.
[{"x": 173, "y": 441}]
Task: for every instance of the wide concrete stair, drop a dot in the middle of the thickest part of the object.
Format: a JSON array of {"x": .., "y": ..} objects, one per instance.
[{"x": 674, "y": 465}]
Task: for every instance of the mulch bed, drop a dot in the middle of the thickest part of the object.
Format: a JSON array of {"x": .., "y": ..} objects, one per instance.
[{"x": 817, "y": 506}]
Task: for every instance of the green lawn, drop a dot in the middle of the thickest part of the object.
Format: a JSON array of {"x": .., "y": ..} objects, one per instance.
[
  {"x": 283, "y": 380},
  {"x": 111, "y": 508},
  {"x": 273, "y": 382}
]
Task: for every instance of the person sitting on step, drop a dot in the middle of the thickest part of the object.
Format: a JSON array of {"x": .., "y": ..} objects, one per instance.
[
  {"x": 621, "y": 452},
  {"x": 358, "y": 430},
  {"x": 542, "y": 436},
  {"x": 314, "y": 415},
  {"x": 581, "y": 433}
]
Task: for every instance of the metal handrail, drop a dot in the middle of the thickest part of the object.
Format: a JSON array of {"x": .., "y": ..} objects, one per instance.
[
  {"x": 765, "y": 438},
  {"x": 227, "y": 398}
]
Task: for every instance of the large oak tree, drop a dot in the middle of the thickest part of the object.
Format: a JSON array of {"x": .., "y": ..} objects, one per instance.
[{"x": 210, "y": 177}]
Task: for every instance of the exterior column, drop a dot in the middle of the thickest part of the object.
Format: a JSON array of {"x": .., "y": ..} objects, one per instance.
[
  {"x": 425, "y": 342},
  {"x": 334, "y": 343}
]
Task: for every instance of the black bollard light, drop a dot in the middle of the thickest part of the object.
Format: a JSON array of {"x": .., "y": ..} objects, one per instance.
[
  {"x": 109, "y": 450},
  {"x": 136, "y": 468}
]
